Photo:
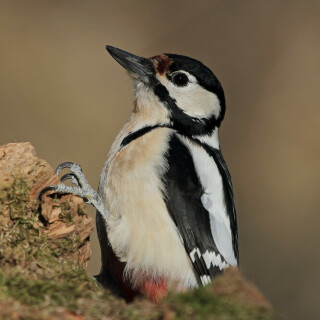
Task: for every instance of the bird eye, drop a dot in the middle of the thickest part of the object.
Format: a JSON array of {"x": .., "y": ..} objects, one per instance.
[{"x": 180, "y": 79}]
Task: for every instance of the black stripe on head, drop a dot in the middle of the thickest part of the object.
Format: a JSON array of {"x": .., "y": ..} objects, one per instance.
[{"x": 182, "y": 122}]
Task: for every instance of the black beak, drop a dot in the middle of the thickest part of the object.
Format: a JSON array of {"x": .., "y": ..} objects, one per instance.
[{"x": 138, "y": 67}]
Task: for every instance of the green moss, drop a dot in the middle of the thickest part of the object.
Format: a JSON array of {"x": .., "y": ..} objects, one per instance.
[
  {"x": 15, "y": 199},
  {"x": 65, "y": 214},
  {"x": 60, "y": 288},
  {"x": 203, "y": 304},
  {"x": 65, "y": 245},
  {"x": 81, "y": 212},
  {"x": 20, "y": 234}
]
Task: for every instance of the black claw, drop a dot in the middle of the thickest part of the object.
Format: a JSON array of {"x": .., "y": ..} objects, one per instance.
[
  {"x": 44, "y": 190},
  {"x": 64, "y": 165},
  {"x": 70, "y": 176},
  {"x": 86, "y": 200}
]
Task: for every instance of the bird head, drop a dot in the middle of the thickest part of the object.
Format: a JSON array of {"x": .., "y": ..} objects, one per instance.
[{"x": 189, "y": 93}]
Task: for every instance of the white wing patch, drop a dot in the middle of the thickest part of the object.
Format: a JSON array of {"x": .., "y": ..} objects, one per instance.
[
  {"x": 214, "y": 259},
  {"x": 193, "y": 252},
  {"x": 210, "y": 258},
  {"x": 214, "y": 202},
  {"x": 205, "y": 280}
]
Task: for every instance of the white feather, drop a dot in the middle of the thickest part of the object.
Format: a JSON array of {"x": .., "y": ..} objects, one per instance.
[
  {"x": 205, "y": 279},
  {"x": 208, "y": 258}
]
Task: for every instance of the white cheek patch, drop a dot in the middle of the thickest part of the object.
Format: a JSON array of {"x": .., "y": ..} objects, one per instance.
[{"x": 192, "y": 99}]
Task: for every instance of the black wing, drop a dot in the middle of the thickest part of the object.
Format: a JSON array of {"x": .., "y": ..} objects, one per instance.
[
  {"x": 183, "y": 200},
  {"x": 228, "y": 191}
]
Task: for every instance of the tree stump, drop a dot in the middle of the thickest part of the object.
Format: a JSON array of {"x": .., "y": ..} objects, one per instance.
[{"x": 59, "y": 217}]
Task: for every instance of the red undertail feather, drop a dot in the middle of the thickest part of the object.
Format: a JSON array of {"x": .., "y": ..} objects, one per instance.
[{"x": 153, "y": 289}]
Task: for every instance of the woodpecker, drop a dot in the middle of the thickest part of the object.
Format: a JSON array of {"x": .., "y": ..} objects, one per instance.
[{"x": 166, "y": 215}]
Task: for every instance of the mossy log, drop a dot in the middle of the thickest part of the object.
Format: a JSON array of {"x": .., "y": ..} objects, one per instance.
[{"x": 45, "y": 248}]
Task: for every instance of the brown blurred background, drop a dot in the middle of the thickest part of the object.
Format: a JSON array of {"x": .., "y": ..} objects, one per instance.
[{"x": 60, "y": 90}]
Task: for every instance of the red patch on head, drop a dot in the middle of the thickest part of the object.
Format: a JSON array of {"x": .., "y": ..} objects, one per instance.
[{"x": 162, "y": 63}]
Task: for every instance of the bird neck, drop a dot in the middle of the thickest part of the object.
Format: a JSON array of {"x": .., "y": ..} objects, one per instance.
[{"x": 212, "y": 140}]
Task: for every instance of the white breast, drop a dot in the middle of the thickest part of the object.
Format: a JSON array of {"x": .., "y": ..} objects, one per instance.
[{"x": 140, "y": 230}]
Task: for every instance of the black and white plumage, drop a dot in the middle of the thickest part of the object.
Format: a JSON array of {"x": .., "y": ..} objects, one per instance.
[
  {"x": 169, "y": 214},
  {"x": 195, "y": 209},
  {"x": 196, "y": 184}
]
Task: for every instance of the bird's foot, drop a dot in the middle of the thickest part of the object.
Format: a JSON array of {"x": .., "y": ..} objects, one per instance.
[{"x": 82, "y": 187}]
